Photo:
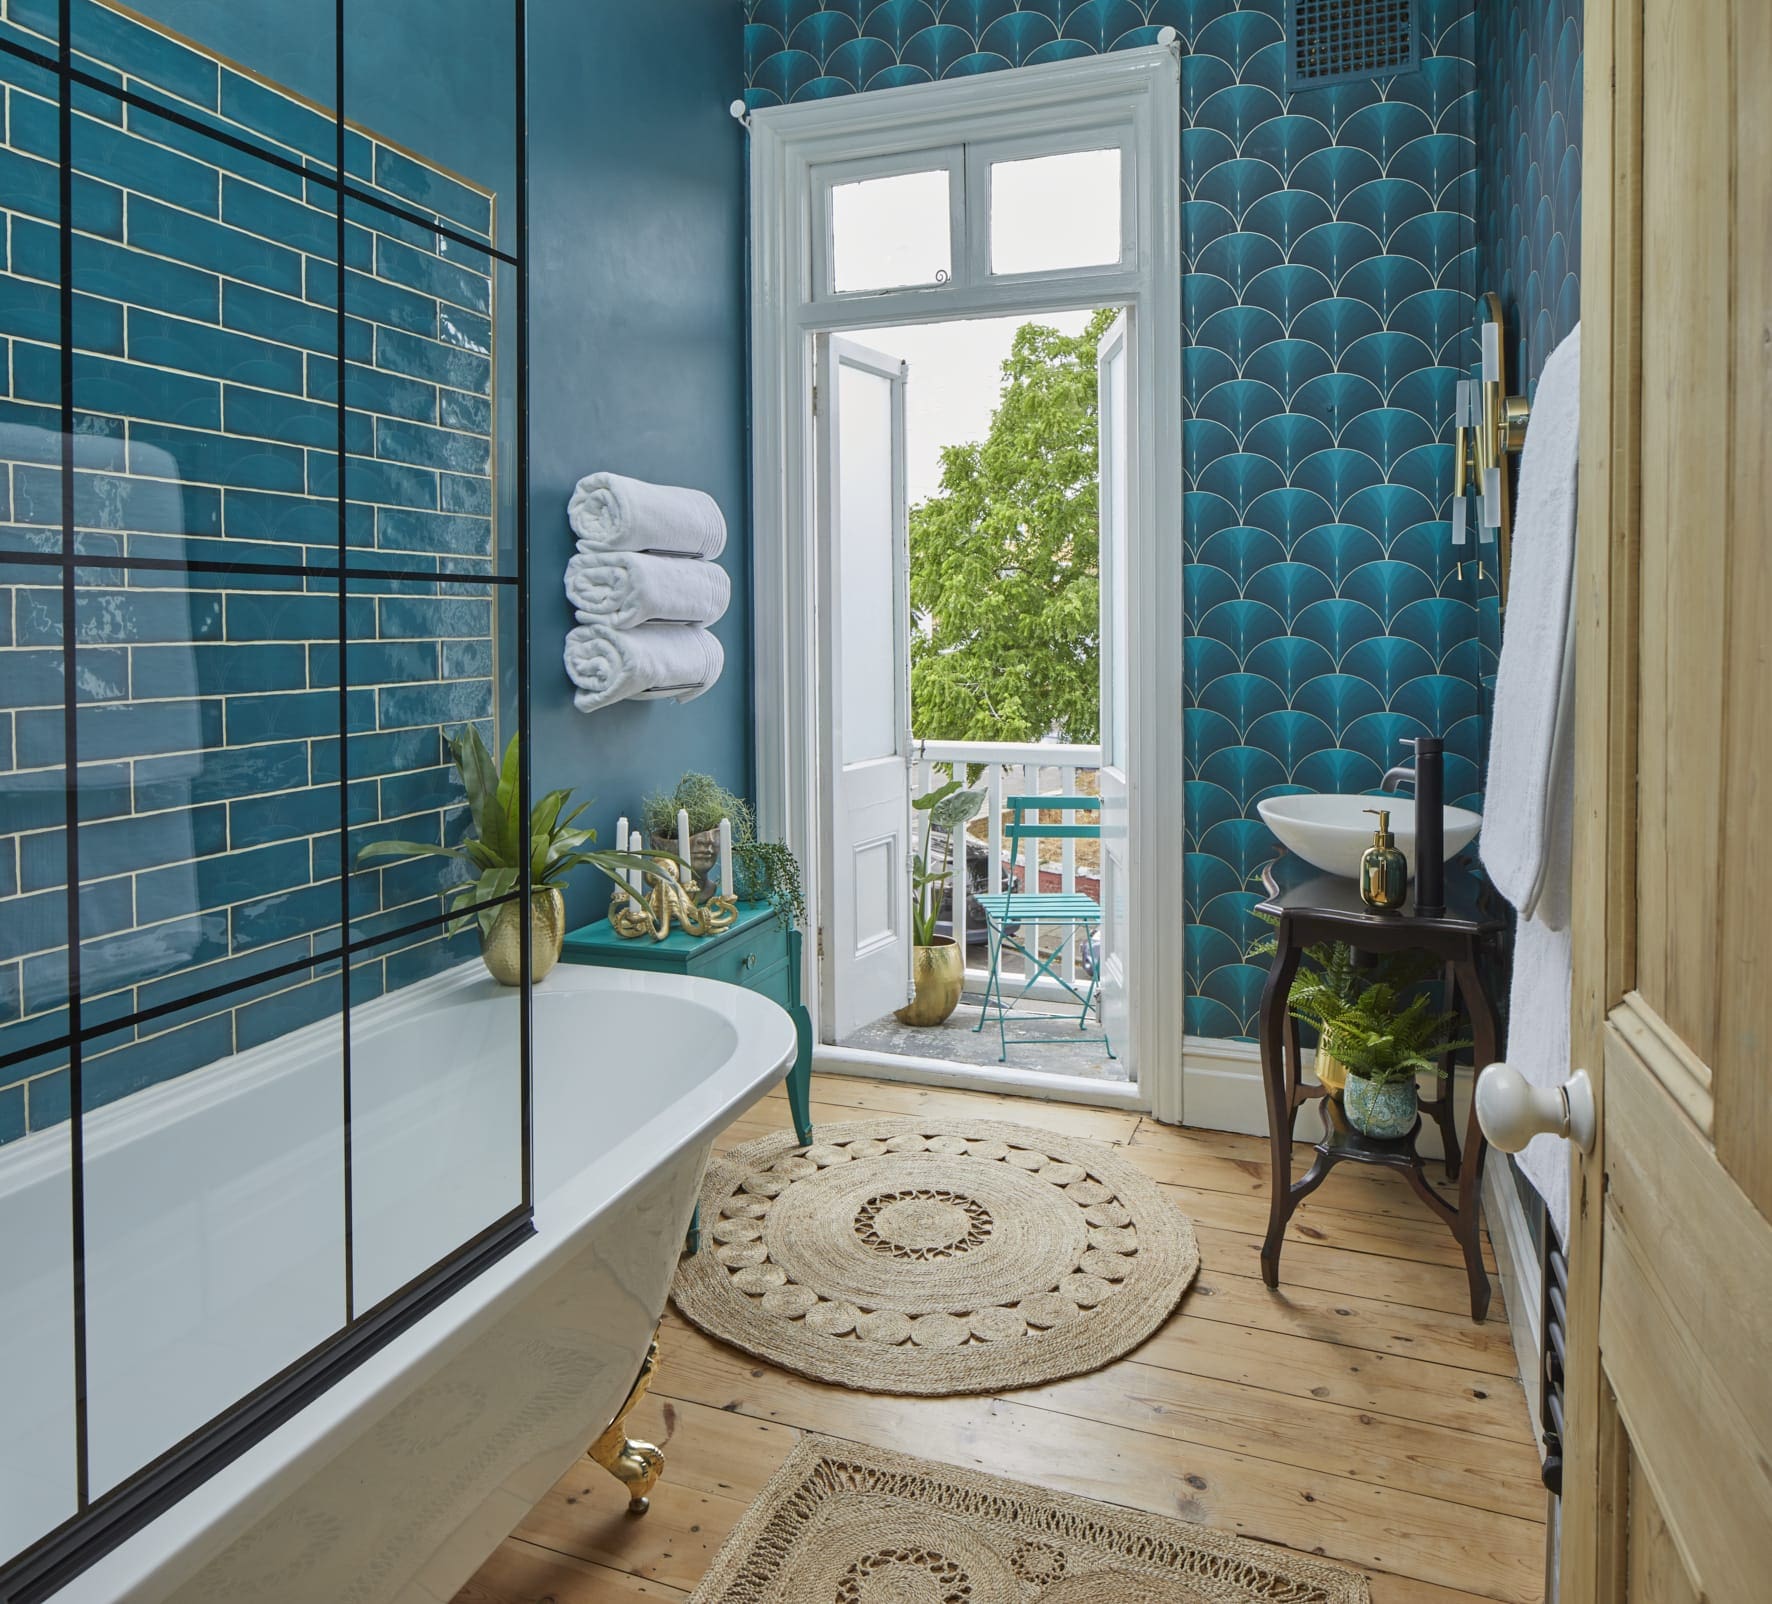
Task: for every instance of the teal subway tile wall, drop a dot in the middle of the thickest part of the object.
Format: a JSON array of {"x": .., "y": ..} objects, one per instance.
[
  {"x": 1330, "y": 238},
  {"x": 207, "y": 704}
]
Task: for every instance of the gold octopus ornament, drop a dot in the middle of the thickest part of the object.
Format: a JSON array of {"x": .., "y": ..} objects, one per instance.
[{"x": 671, "y": 902}]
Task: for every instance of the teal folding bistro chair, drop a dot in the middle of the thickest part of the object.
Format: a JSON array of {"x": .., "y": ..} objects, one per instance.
[{"x": 1007, "y": 913}]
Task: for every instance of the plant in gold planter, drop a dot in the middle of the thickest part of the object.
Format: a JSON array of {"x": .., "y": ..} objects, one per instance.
[
  {"x": 938, "y": 967},
  {"x": 494, "y": 851}
]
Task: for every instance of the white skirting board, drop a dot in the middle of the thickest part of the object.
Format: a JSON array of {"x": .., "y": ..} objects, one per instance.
[{"x": 828, "y": 1060}]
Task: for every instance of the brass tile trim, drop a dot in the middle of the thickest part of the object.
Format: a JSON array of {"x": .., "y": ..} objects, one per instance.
[{"x": 300, "y": 99}]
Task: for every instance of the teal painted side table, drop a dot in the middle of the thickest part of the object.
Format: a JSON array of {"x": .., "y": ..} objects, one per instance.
[{"x": 759, "y": 953}]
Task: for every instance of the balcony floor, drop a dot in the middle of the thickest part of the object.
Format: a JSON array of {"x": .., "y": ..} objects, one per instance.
[
  {"x": 959, "y": 1043},
  {"x": 1356, "y": 1411}
]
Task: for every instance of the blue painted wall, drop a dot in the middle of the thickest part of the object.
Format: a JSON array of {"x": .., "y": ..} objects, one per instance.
[
  {"x": 1330, "y": 240},
  {"x": 638, "y": 356}
]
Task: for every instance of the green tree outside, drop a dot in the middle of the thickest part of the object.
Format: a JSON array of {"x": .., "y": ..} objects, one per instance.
[{"x": 1005, "y": 569}]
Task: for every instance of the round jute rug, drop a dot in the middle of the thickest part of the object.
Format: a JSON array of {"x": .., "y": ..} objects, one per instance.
[{"x": 934, "y": 1255}]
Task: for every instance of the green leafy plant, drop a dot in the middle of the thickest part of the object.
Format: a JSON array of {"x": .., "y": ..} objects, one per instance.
[
  {"x": 1005, "y": 558},
  {"x": 706, "y": 802},
  {"x": 1383, "y": 1039},
  {"x": 495, "y": 850},
  {"x": 1332, "y": 978},
  {"x": 765, "y": 869},
  {"x": 948, "y": 808}
]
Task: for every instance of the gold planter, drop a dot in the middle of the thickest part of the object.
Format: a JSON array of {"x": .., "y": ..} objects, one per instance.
[
  {"x": 937, "y": 973},
  {"x": 502, "y": 947},
  {"x": 1331, "y": 1072}
]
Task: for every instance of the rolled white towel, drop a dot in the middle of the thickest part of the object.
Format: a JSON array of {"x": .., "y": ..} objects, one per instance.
[
  {"x": 626, "y": 588},
  {"x": 610, "y": 512},
  {"x": 651, "y": 660}
]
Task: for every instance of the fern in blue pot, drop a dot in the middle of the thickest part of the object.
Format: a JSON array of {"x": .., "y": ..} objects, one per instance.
[{"x": 1387, "y": 1045}]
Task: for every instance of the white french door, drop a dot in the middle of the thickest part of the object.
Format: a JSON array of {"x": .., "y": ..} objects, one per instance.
[
  {"x": 1114, "y": 493},
  {"x": 864, "y": 675},
  {"x": 935, "y": 169}
]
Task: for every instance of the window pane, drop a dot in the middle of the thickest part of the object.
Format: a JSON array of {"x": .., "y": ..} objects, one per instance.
[
  {"x": 1053, "y": 212},
  {"x": 887, "y": 233}
]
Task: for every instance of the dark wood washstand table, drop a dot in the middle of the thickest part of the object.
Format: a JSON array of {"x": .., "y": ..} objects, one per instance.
[{"x": 1313, "y": 907}]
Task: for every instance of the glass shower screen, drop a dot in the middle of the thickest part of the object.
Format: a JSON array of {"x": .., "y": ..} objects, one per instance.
[{"x": 262, "y": 558}]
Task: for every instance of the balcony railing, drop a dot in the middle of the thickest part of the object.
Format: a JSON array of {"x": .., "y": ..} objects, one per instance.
[{"x": 1004, "y": 769}]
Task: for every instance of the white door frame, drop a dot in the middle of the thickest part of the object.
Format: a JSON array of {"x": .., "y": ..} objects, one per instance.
[{"x": 1133, "y": 97}]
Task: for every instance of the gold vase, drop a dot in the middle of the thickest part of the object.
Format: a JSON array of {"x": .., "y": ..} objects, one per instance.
[
  {"x": 937, "y": 973},
  {"x": 1331, "y": 1072},
  {"x": 502, "y": 948}
]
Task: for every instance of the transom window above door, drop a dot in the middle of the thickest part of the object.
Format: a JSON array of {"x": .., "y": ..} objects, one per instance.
[{"x": 963, "y": 216}]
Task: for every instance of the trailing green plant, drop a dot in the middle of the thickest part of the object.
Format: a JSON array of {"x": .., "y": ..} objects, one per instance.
[
  {"x": 950, "y": 809},
  {"x": 1384, "y": 1040},
  {"x": 706, "y": 801},
  {"x": 767, "y": 869},
  {"x": 495, "y": 849},
  {"x": 772, "y": 868}
]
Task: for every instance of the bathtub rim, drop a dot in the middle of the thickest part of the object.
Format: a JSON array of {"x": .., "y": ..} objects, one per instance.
[{"x": 177, "y": 1543}]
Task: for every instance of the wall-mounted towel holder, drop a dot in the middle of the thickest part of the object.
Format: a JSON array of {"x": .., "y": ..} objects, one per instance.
[{"x": 1488, "y": 426}]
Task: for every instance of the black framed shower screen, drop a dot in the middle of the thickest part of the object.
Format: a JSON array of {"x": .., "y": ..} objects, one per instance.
[{"x": 232, "y": 954}]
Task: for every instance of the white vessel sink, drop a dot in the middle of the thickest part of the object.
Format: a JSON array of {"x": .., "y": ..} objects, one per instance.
[{"x": 1331, "y": 832}]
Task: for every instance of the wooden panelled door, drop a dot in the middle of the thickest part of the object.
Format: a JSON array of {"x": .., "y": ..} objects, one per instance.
[{"x": 1668, "y": 1449}]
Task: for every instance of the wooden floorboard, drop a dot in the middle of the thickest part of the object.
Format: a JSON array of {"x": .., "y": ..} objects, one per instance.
[{"x": 1355, "y": 1412}]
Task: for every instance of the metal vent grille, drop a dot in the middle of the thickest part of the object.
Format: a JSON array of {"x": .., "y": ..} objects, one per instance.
[{"x": 1331, "y": 41}]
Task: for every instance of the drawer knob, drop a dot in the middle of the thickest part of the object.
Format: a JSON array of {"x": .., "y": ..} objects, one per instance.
[{"x": 750, "y": 961}]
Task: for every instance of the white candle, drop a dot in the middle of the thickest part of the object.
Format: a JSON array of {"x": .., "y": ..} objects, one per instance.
[
  {"x": 636, "y": 880},
  {"x": 683, "y": 836},
  {"x": 726, "y": 859},
  {"x": 621, "y": 834}
]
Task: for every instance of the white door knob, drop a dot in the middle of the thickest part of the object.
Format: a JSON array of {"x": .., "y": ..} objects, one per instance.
[{"x": 1512, "y": 1110}]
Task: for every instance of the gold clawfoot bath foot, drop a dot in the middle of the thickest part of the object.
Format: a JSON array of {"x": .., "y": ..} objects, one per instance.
[{"x": 637, "y": 1465}]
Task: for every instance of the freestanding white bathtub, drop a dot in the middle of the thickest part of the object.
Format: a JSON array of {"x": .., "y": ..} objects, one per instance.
[{"x": 396, "y": 1483}]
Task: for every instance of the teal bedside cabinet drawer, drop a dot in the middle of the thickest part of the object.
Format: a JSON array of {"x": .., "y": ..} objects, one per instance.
[{"x": 737, "y": 961}]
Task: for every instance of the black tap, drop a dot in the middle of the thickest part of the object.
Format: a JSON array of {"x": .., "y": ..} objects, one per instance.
[{"x": 1427, "y": 774}]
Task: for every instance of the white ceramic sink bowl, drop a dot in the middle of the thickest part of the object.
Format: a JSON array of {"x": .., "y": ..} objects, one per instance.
[{"x": 1331, "y": 832}]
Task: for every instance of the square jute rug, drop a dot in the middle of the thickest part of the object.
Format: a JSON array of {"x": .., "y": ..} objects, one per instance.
[{"x": 841, "y": 1523}]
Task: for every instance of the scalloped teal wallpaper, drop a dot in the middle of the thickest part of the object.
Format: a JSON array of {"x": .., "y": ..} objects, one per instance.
[
  {"x": 1331, "y": 246},
  {"x": 1330, "y": 238},
  {"x": 1531, "y": 170}
]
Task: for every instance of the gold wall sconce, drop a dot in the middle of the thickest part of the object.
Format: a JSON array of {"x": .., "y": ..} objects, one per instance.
[{"x": 1489, "y": 425}]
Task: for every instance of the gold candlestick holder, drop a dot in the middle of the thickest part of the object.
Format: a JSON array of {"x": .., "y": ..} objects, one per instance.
[{"x": 670, "y": 903}]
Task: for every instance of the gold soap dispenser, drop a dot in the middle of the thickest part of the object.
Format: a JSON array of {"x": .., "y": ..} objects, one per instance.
[{"x": 1384, "y": 871}]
